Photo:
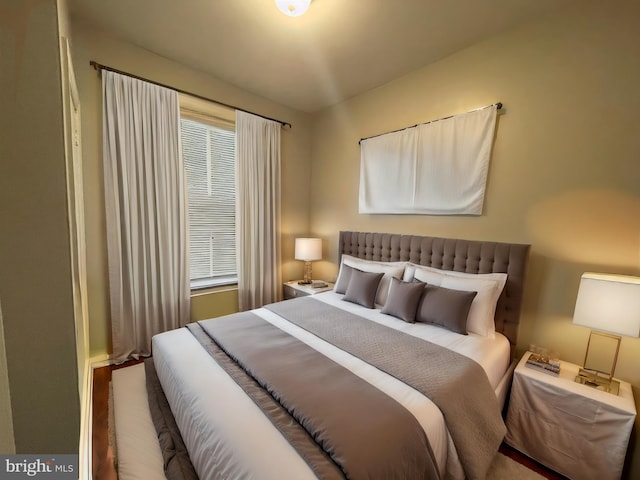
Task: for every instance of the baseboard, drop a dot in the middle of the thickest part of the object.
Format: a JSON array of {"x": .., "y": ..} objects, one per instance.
[{"x": 100, "y": 361}]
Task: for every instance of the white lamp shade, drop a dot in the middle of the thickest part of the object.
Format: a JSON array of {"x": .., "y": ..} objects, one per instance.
[
  {"x": 609, "y": 303},
  {"x": 293, "y": 8},
  {"x": 308, "y": 249}
]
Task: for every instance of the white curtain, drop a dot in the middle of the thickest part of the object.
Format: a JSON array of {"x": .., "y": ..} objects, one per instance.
[
  {"x": 258, "y": 210},
  {"x": 438, "y": 168},
  {"x": 147, "y": 238}
]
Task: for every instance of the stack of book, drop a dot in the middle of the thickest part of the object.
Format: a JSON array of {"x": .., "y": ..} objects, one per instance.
[{"x": 538, "y": 362}]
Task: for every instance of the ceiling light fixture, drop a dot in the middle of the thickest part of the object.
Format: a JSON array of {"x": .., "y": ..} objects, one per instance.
[{"x": 293, "y": 8}]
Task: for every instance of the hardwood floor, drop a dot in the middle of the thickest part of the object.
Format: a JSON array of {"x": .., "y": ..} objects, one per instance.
[
  {"x": 103, "y": 465},
  {"x": 102, "y": 457},
  {"x": 531, "y": 464}
]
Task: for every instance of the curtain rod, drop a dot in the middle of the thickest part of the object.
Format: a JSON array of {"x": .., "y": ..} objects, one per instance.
[
  {"x": 99, "y": 67},
  {"x": 498, "y": 106}
]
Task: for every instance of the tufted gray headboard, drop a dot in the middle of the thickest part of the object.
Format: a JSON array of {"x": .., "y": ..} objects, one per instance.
[{"x": 470, "y": 256}]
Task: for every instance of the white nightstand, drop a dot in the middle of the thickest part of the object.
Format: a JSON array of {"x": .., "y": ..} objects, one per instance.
[
  {"x": 571, "y": 428},
  {"x": 293, "y": 289}
]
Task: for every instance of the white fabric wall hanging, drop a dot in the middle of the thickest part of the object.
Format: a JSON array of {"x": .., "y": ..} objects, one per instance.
[{"x": 437, "y": 168}]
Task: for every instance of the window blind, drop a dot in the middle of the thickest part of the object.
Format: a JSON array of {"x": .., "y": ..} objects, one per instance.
[{"x": 209, "y": 157}]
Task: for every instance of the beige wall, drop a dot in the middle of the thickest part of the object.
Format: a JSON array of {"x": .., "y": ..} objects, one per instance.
[
  {"x": 90, "y": 44},
  {"x": 565, "y": 170},
  {"x": 223, "y": 301},
  {"x": 35, "y": 271}
]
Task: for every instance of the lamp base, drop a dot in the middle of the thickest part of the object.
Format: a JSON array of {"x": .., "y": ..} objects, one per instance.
[
  {"x": 592, "y": 379},
  {"x": 306, "y": 279}
]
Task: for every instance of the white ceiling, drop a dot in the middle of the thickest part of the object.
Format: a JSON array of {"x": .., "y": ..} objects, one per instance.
[{"x": 338, "y": 49}]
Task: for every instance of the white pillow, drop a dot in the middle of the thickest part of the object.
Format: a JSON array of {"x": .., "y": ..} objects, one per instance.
[
  {"x": 483, "y": 308},
  {"x": 432, "y": 276},
  {"x": 409, "y": 272},
  {"x": 390, "y": 269}
]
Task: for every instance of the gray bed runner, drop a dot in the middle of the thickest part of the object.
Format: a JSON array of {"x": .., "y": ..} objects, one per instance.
[
  {"x": 456, "y": 384},
  {"x": 297, "y": 436},
  {"x": 364, "y": 431}
]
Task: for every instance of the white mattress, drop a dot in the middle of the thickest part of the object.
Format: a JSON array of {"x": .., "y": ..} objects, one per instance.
[{"x": 226, "y": 433}]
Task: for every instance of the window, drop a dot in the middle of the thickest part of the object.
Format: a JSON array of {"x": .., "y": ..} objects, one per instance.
[{"x": 208, "y": 148}]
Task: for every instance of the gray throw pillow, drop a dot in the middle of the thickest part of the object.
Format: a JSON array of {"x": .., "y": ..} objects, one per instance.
[
  {"x": 445, "y": 307},
  {"x": 343, "y": 279},
  {"x": 403, "y": 299},
  {"x": 362, "y": 287}
]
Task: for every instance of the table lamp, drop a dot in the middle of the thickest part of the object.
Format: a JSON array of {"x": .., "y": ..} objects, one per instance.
[
  {"x": 308, "y": 250},
  {"x": 610, "y": 306}
]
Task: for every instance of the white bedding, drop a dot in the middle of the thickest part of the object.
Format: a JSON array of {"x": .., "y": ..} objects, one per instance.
[{"x": 226, "y": 433}]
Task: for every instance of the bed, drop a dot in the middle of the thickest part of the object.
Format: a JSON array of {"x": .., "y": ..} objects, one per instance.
[{"x": 370, "y": 380}]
